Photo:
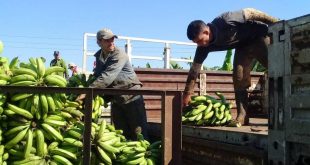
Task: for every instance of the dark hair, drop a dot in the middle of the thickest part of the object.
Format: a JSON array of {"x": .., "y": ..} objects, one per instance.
[
  {"x": 56, "y": 53},
  {"x": 194, "y": 28}
]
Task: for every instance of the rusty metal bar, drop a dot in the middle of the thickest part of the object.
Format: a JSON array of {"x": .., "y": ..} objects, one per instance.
[{"x": 87, "y": 127}]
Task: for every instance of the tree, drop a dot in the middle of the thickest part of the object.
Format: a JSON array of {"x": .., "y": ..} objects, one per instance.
[{"x": 227, "y": 65}]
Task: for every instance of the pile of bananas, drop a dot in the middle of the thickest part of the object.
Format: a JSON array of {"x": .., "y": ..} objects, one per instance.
[
  {"x": 48, "y": 128},
  {"x": 5, "y": 69},
  {"x": 80, "y": 80},
  {"x": 207, "y": 111},
  {"x": 111, "y": 147}
]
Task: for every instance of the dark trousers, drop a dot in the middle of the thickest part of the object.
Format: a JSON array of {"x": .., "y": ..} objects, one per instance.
[
  {"x": 244, "y": 56},
  {"x": 129, "y": 117}
]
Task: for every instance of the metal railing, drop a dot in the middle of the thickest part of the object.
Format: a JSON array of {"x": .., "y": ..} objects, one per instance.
[{"x": 128, "y": 48}]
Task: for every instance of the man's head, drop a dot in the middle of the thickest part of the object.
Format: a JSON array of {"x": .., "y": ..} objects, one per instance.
[
  {"x": 56, "y": 55},
  {"x": 199, "y": 32},
  {"x": 71, "y": 65},
  {"x": 105, "y": 39}
]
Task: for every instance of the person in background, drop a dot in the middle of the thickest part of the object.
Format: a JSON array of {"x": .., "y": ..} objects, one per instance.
[
  {"x": 74, "y": 69},
  {"x": 114, "y": 70},
  {"x": 57, "y": 61},
  {"x": 246, "y": 31}
]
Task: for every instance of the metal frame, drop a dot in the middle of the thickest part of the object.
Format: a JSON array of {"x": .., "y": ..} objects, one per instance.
[
  {"x": 170, "y": 119},
  {"x": 128, "y": 48}
]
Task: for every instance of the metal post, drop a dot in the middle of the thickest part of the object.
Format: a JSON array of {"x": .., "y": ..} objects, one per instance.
[
  {"x": 171, "y": 128},
  {"x": 128, "y": 49},
  {"x": 167, "y": 56},
  {"x": 84, "y": 52},
  {"x": 87, "y": 127}
]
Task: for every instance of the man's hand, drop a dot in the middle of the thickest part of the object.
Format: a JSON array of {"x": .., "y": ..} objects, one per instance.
[
  {"x": 80, "y": 98},
  {"x": 186, "y": 99}
]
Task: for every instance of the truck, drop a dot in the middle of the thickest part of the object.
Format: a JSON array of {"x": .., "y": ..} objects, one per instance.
[
  {"x": 279, "y": 125},
  {"x": 278, "y": 132}
]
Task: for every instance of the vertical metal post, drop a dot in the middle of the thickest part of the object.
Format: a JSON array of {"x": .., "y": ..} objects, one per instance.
[
  {"x": 128, "y": 49},
  {"x": 171, "y": 128},
  {"x": 84, "y": 53},
  {"x": 167, "y": 52},
  {"x": 203, "y": 83},
  {"x": 87, "y": 127}
]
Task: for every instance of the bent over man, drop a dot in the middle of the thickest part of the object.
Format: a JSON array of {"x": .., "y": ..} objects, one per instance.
[{"x": 246, "y": 32}]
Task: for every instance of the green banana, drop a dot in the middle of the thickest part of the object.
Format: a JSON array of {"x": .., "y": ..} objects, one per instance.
[
  {"x": 208, "y": 115},
  {"x": 62, "y": 160},
  {"x": 76, "y": 133},
  {"x": 26, "y": 161},
  {"x": 24, "y": 83},
  {"x": 20, "y": 111},
  {"x": 55, "y": 123},
  {"x": 53, "y": 69},
  {"x": 64, "y": 153},
  {"x": 136, "y": 161},
  {"x": 51, "y": 103},
  {"x": 40, "y": 67},
  {"x": 4, "y": 77},
  {"x": 52, "y": 146},
  {"x": 44, "y": 105},
  {"x": 27, "y": 71},
  {"x": 55, "y": 80},
  {"x": 108, "y": 148},
  {"x": 40, "y": 142},
  {"x": 52, "y": 131},
  {"x": 73, "y": 142},
  {"x": 20, "y": 96},
  {"x": 198, "y": 109},
  {"x": 22, "y": 77},
  {"x": 13, "y": 63},
  {"x": 16, "y": 139},
  {"x": 3, "y": 82},
  {"x": 29, "y": 142},
  {"x": 15, "y": 130},
  {"x": 55, "y": 117},
  {"x": 103, "y": 155}
]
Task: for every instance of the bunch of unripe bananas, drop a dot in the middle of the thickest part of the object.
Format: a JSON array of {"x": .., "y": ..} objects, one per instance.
[
  {"x": 206, "y": 110},
  {"x": 40, "y": 128}
]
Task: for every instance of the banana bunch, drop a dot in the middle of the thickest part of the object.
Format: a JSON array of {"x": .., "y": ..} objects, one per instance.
[
  {"x": 3, "y": 155},
  {"x": 4, "y": 79},
  {"x": 208, "y": 111},
  {"x": 80, "y": 80},
  {"x": 140, "y": 152},
  {"x": 4, "y": 66},
  {"x": 35, "y": 73},
  {"x": 2, "y": 100},
  {"x": 98, "y": 102},
  {"x": 107, "y": 144},
  {"x": 5, "y": 69},
  {"x": 64, "y": 154}
]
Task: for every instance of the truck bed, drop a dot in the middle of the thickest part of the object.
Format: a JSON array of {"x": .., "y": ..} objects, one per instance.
[{"x": 222, "y": 145}]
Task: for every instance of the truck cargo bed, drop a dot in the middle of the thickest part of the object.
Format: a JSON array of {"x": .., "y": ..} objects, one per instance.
[{"x": 223, "y": 145}]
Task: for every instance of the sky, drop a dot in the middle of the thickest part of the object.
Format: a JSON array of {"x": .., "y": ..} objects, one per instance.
[{"x": 33, "y": 28}]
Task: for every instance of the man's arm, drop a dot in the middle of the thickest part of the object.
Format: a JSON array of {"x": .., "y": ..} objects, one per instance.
[
  {"x": 200, "y": 56},
  {"x": 252, "y": 14}
]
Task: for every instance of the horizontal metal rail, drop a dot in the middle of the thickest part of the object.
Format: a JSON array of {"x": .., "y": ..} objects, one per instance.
[{"x": 128, "y": 48}]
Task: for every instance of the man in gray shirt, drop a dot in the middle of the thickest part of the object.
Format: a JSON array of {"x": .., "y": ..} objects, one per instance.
[
  {"x": 246, "y": 32},
  {"x": 114, "y": 70}
]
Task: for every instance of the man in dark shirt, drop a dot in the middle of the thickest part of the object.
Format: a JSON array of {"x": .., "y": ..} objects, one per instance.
[
  {"x": 246, "y": 32},
  {"x": 57, "y": 61},
  {"x": 114, "y": 70}
]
